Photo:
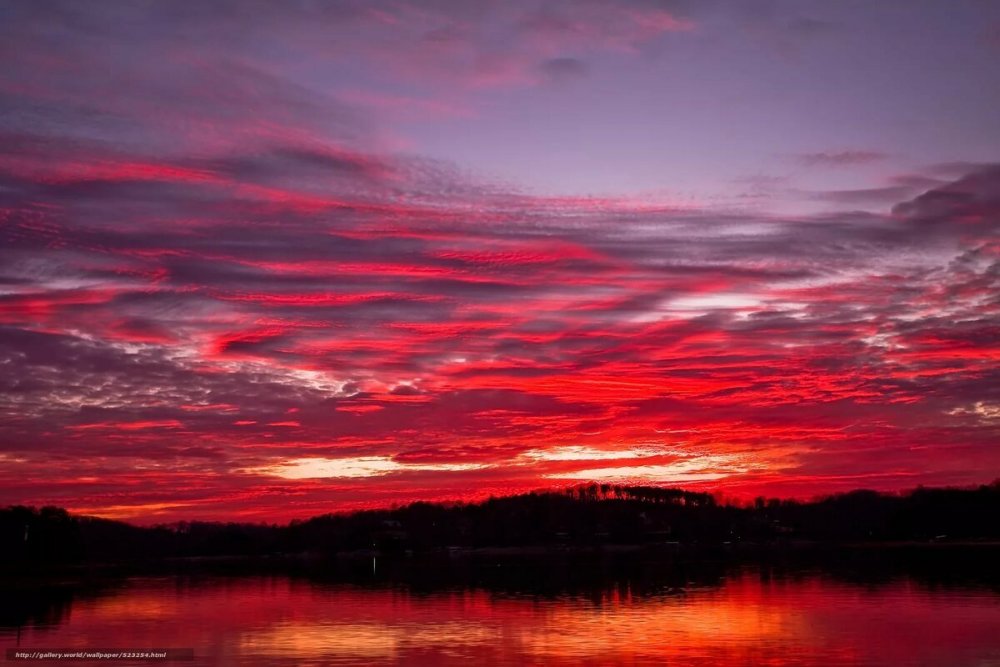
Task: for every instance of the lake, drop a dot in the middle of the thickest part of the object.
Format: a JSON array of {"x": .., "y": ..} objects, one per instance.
[{"x": 734, "y": 615}]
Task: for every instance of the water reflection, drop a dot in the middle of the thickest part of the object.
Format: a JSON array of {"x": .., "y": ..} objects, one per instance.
[{"x": 749, "y": 615}]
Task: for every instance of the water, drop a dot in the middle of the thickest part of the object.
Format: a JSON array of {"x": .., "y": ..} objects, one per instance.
[{"x": 741, "y": 616}]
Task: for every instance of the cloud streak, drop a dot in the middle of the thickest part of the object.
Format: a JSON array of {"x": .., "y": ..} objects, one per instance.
[{"x": 847, "y": 158}]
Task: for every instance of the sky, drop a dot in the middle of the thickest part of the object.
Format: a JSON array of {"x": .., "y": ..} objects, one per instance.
[{"x": 267, "y": 260}]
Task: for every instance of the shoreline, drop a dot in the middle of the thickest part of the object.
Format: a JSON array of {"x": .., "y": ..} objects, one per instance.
[{"x": 317, "y": 563}]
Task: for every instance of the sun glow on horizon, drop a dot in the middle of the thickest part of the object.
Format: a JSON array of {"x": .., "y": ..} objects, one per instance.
[{"x": 358, "y": 466}]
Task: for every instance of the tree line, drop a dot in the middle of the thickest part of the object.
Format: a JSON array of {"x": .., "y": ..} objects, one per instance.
[{"x": 585, "y": 515}]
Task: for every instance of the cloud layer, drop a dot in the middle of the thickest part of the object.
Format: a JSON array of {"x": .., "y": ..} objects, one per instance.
[{"x": 222, "y": 292}]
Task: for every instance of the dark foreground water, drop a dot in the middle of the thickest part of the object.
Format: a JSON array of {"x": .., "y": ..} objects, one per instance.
[{"x": 733, "y": 615}]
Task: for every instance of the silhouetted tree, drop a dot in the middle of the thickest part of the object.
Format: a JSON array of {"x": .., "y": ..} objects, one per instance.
[{"x": 583, "y": 515}]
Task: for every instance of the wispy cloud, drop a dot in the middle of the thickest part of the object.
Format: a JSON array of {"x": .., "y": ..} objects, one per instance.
[{"x": 847, "y": 158}]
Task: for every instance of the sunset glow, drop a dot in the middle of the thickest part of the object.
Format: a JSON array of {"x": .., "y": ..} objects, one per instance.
[
  {"x": 798, "y": 621},
  {"x": 270, "y": 261}
]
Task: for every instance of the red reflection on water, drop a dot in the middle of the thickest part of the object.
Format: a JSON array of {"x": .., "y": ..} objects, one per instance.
[{"x": 746, "y": 621}]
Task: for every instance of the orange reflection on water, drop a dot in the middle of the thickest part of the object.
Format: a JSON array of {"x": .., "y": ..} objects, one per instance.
[
  {"x": 565, "y": 632},
  {"x": 745, "y": 620}
]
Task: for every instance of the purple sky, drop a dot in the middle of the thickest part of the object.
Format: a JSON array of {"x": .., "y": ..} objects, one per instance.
[{"x": 781, "y": 105}]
